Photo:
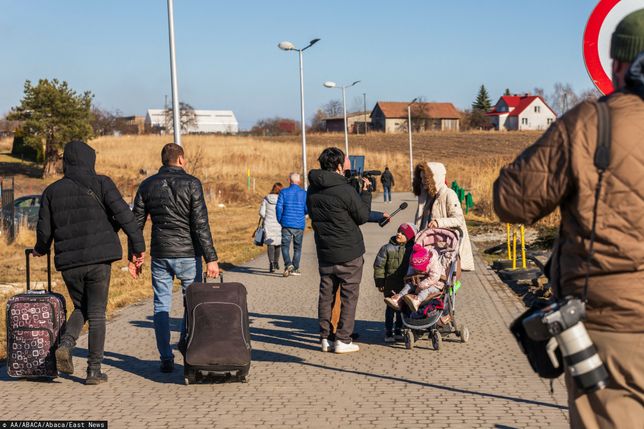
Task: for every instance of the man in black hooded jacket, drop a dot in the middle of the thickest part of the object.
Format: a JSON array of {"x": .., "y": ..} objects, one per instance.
[
  {"x": 81, "y": 213},
  {"x": 337, "y": 211}
]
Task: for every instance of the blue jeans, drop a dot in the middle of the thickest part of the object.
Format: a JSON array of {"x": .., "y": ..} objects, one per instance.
[
  {"x": 295, "y": 235},
  {"x": 387, "y": 193},
  {"x": 164, "y": 271}
]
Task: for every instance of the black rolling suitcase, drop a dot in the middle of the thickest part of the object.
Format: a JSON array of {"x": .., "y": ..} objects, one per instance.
[
  {"x": 34, "y": 322},
  {"x": 217, "y": 332}
]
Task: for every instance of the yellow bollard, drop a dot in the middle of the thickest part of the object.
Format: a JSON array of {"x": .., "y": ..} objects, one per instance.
[
  {"x": 514, "y": 248},
  {"x": 509, "y": 248},
  {"x": 523, "y": 261}
]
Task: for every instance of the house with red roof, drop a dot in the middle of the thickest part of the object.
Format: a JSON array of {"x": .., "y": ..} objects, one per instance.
[
  {"x": 391, "y": 116},
  {"x": 521, "y": 112}
]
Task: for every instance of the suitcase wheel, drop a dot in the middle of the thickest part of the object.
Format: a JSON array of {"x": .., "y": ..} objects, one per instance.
[{"x": 244, "y": 378}]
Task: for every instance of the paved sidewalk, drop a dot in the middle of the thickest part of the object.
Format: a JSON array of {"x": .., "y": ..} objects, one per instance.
[{"x": 484, "y": 383}]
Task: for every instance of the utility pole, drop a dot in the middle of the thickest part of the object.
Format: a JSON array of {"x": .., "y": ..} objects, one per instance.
[
  {"x": 364, "y": 100},
  {"x": 173, "y": 77}
]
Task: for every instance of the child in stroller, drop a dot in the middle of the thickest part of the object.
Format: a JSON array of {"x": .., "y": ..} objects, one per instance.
[
  {"x": 423, "y": 279},
  {"x": 436, "y": 313}
]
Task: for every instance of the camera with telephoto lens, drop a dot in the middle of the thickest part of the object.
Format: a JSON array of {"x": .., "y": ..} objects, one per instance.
[{"x": 561, "y": 324}]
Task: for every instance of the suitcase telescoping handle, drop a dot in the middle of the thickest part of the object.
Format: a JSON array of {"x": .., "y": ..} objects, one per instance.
[
  {"x": 31, "y": 252},
  {"x": 221, "y": 277}
]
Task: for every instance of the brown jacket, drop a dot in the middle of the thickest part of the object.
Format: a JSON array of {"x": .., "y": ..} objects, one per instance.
[{"x": 558, "y": 170}]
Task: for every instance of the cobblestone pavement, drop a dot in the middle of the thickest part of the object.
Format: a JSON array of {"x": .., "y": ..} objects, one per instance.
[{"x": 484, "y": 383}]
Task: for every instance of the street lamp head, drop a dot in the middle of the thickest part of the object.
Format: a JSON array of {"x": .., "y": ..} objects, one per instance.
[
  {"x": 354, "y": 83},
  {"x": 313, "y": 42},
  {"x": 286, "y": 46},
  {"x": 329, "y": 84}
]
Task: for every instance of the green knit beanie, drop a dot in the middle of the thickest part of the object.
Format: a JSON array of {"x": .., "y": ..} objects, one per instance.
[{"x": 628, "y": 38}]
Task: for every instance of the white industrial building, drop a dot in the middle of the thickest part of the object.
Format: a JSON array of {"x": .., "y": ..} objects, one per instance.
[
  {"x": 208, "y": 121},
  {"x": 521, "y": 112}
]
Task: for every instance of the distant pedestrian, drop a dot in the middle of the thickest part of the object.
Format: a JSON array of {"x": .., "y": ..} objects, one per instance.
[
  {"x": 439, "y": 207},
  {"x": 291, "y": 214},
  {"x": 389, "y": 270},
  {"x": 272, "y": 228},
  {"x": 81, "y": 213},
  {"x": 387, "y": 180},
  {"x": 337, "y": 211},
  {"x": 181, "y": 237}
]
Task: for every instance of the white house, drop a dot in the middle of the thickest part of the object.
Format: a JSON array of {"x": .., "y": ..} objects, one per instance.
[
  {"x": 208, "y": 121},
  {"x": 521, "y": 112}
]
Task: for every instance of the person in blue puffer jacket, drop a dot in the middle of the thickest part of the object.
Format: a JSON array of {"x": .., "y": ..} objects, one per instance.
[{"x": 291, "y": 211}]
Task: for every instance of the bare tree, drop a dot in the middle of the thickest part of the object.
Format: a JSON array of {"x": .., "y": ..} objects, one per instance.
[
  {"x": 333, "y": 108},
  {"x": 317, "y": 121},
  {"x": 589, "y": 94},
  {"x": 562, "y": 98},
  {"x": 187, "y": 118}
]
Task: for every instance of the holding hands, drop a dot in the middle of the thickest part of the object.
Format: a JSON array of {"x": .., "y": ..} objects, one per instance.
[{"x": 135, "y": 266}]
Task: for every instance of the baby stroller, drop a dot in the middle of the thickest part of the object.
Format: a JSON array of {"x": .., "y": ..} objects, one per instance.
[{"x": 437, "y": 314}]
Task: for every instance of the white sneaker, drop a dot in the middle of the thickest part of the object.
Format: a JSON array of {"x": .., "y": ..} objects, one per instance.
[
  {"x": 341, "y": 347},
  {"x": 326, "y": 345}
]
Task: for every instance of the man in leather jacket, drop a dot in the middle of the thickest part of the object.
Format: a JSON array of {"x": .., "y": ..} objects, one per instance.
[{"x": 181, "y": 237}]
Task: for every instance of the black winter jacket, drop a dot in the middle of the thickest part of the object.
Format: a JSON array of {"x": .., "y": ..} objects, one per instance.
[
  {"x": 387, "y": 179},
  {"x": 175, "y": 202},
  {"x": 336, "y": 211},
  {"x": 82, "y": 231}
]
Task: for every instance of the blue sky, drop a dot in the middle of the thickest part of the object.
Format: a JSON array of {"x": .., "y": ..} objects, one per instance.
[{"x": 228, "y": 58}]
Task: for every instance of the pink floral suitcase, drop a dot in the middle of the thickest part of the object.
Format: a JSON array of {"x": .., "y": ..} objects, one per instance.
[{"x": 34, "y": 322}]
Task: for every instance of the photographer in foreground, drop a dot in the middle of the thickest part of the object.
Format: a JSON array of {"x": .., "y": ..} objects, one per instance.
[{"x": 559, "y": 170}]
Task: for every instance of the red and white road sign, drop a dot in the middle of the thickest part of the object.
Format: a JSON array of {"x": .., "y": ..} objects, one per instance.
[{"x": 601, "y": 25}]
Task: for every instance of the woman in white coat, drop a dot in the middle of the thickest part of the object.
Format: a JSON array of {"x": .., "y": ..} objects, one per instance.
[
  {"x": 272, "y": 228},
  {"x": 439, "y": 207}
]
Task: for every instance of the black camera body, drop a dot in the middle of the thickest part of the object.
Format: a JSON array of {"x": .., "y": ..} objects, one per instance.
[
  {"x": 560, "y": 326},
  {"x": 355, "y": 177},
  {"x": 554, "y": 319}
]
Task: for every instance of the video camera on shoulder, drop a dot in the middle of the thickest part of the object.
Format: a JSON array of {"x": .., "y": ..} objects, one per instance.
[{"x": 357, "y": 173}]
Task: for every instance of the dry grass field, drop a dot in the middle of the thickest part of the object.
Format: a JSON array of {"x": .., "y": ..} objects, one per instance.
[{"x": 222, "y": 163}]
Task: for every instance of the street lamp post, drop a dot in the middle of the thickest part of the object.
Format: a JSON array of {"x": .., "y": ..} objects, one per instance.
[
  {"x": 330, "y": 84},
  {"x": 411, "y": 153},
  {"x": 176, "y": 124},
  {"x": 288, "y": 46}
]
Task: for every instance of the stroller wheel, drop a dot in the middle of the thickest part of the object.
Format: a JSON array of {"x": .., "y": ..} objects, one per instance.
[
  {"x": 189, "y": 376},
  {"x": 437, "y": 340},
  {"x": 465, "y": 334},
  {"x": 409, "y": 339}
]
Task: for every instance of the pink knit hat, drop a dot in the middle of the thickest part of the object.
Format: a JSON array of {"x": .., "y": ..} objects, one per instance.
[
  {"x": 420, "y": 258},
  {"x": 408, "y": 230}
]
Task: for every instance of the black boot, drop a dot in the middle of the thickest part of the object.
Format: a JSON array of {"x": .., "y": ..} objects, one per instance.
[
  {"x": 167, "y": 365},
  {"x": 271, "y": 267},
  {"x": 64, "y": 362},
  {"x": 95, "y": 376},
  {"x": 276, "y": 265}
]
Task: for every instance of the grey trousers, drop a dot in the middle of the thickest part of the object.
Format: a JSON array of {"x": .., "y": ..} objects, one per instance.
[{"x": 347, "y": 277}]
